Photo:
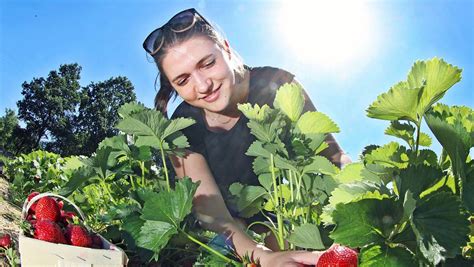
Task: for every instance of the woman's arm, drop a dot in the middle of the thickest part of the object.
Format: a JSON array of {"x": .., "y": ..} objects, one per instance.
[{"x": 212, "y": 213}]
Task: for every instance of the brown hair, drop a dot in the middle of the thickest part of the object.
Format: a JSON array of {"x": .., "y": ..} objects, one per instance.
[{"x": 166, "y": 91}]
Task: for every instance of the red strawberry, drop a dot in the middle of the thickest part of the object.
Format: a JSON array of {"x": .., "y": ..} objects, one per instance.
[
  {"x": 338, "y": 256},
  {"x": 47, "y": 209},
  {"x": 49, "y": 231},
  {"x": 77, "y": 235},
  {"x": 5, "y": 241},
  {"x": 33, "y": 206}
]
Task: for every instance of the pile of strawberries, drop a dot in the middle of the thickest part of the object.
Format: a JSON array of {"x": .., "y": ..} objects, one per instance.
[{"x": 51, "y": 223}]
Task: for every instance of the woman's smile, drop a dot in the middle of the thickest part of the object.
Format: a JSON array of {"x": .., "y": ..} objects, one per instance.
[{"x": 213, "y": 96}]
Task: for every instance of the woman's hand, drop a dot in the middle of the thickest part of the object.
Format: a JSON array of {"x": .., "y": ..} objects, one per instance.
[{"x": 290, "y": 258}]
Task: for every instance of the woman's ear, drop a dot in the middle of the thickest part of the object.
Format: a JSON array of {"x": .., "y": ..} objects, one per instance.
[{"x": 227, "y": 48}]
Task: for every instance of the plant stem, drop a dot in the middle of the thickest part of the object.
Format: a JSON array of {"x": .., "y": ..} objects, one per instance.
[
  {"x": 290, "y": 175},
  {"x": 417, "y": 143},
  {"x": 163, "y": 159},
  {"x": 131, "y": 182},
  {"x": 213, "y": 251},
  {"x": 277, "y": 206},
  {"x": 107, "y": 190},
  {"x": 142, "y": 167}
]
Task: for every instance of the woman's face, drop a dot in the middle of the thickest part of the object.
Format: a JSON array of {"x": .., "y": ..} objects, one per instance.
[{"x": 201, "y": 73}]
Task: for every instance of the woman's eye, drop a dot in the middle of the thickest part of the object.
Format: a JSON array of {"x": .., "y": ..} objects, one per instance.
[
  {"x": 182, "y": 82},
  {"x": 210, "y": 63}
]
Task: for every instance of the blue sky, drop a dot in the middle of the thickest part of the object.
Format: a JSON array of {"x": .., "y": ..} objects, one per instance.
[{"x": 345, "y": 53}]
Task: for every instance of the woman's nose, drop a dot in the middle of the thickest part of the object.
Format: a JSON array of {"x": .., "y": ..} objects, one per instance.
[{"x": 203, "y": 83}]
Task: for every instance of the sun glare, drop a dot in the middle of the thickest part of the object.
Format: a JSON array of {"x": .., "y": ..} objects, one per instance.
[{"x": 328, "y": 34}]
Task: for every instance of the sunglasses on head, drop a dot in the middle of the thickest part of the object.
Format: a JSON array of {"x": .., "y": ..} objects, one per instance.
[{"x": 180, "y": 22}]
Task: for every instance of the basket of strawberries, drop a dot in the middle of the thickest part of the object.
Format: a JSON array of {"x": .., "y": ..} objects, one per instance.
[{"x": 51, "y": 235}]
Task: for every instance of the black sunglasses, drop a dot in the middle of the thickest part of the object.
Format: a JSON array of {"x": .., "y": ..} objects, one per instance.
[{"x": 180, "y": 22}]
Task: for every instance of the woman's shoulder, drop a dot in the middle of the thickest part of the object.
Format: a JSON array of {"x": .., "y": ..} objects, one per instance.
[
  {"x": 271, "y": 73},
  {"x": 264, "y": 81},
  {"x": 184, "y": 110}
]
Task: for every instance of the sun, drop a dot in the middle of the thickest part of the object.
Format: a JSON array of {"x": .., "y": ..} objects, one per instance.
[{"x": 328, "y": 34}]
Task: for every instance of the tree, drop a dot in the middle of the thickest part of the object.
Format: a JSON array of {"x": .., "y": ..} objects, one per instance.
[
  {"x": 64, "y": 118},
  {"x": 49, "y": 105},
  {"x": 98, "y": 110},
  {"x": 8, "y": 123}
]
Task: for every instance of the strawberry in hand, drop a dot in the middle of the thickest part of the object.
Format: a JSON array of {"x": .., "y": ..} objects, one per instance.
[{"x": 338, "y": 256}]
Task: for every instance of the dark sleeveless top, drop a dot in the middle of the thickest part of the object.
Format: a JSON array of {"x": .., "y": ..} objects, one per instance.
[{"x": 225, "y": 151}]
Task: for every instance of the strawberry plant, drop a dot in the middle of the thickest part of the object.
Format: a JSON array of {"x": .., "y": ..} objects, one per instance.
[
  {"x": 416, "y": 214},
  {"x": 295, "y": 180},
  {"x": 131, "y": 200},
  {"x": 40, "y": 171},
  {"x": 7, "y": 250}
]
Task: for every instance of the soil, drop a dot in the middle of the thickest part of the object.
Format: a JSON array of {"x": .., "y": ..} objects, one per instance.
[{"x": 10, "y": 216}]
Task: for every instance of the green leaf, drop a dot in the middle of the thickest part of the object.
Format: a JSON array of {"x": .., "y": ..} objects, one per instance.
[
  {"x": 399, "y": 103},
  {"x": 260, "y": 132},
  {"x": 249, "y": 199},
  {"x": 366, "y": 221},
  {"x": 78, "y": 178},
  {"x": 404, "y": 131},
  {"x": 346, "y": 193},
  {"x": 417, "y": 178},
  {"x": 173, "y": 206},
  {"x": 306, "y": 236},
  {"x": 290, "y": 100},
  {"x": 131, "y": 227},
  {"x": 468, "y": 188},
  {"x": 425, "y": 140},
  {"x": 256, "y": 112},
  {"x": 129, "y": 108},
  {"x": 440, "y": 226},
  {"x": 382, "y": 255},
  {"x": 313, "y": 122},
  {"x": 356, "y": 172},
  {"x": 176, "y": 125},
  {"x": 266, "y": 181},
  {"x": 256, "y": 149},
  {"x": 261, "y": 165},
  {"x": 454, "y": 132},
  {"x": 322, "y": 165},
  {"x": 147, "y": 125},
  {"x": 409, "y": 205},
  {"x": 436, "y": 77},
  {"x": 283, "y": 163},
  {"x": 154, "y": 235}
]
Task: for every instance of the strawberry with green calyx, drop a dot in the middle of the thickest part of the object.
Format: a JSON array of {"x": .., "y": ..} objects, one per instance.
[
  {"x": 49, "y": 231},
  {"x": 339, "y": 256},
  {"x": 5, "y": 241},
  {"x": 47, "y": 209}
]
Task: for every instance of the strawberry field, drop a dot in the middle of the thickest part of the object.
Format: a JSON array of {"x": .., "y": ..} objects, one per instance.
[{"x": 398, "y": 204}]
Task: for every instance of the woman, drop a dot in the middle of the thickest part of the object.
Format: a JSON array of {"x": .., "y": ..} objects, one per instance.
[{"x": 196, "y": 63}]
